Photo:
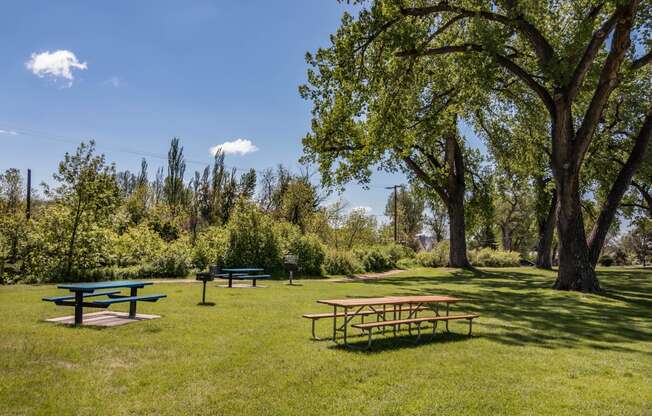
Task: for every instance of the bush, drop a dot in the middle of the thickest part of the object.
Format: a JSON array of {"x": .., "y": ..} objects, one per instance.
[
  {"x": 311, "y": 254},
  {"x": 375, "y": 259},
  {"x": 606, "y": 261},
  {"x": 488, "y": 257},
  {"x": 210, "y": 248},
  {"x": 397, "y": 252},
  {"x": 437, "y": 257},
  {"x": 407, "y": 263},
  {"x": 137, "y": 245},
  {"x": 174, "y": 261},
  {"x": 342, "y": 262},
  {"x": 252, "y": 241}
]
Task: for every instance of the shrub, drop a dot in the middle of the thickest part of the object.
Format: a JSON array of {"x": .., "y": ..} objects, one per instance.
[
  {"x": 437, "y": 257},
  {"x": 407, "y": 263},
  {"x": 311, "y": 254},
  {"x": 606, "y": 261},
  {"x": 173, "y": 261},
  {"x": 252, "y": 241},
  {"x": 342, "y": 262},
  {"x": 137, "y": 245},
  {"x": 397, "y": 252},
  {"x": 487, "y": 257},
  {"x": 375, "y": 259},
  {"x": 210, "y": 248}
]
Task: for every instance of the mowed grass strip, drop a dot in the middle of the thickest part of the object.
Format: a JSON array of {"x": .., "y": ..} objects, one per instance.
[{"x": 534, "y": 351}]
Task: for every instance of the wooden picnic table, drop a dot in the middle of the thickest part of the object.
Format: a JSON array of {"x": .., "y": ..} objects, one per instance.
[
  {"x": 397, "y": 303},
  {"x": 82, "y": 291}
]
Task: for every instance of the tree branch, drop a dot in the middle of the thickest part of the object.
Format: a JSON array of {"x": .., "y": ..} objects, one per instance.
[{"x": 591, "y": 51}]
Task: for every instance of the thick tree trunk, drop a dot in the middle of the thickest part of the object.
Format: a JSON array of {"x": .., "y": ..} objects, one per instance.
[
  {"x": 576, "y": 272},
  {"x": 456, "y": 188},
  {"x": 506, "y": 237},
  {"x": 457, "y": 230},
  {"x": 546, "y": 226}
]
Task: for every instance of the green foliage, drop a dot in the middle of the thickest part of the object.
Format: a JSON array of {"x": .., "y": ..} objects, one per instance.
[
  {"x": 210, "y": 247},
  {"x": 137, "y": 245},
  {"x": 487, "y": 257},
  {"x": 47, "y": 254},
  {"x": 374, "y": 259},
  {"x": 311, "y": 255},
  {"x": 252, "y": 241},
  {"x": 437, "y": 257},
  {"x": 174, "y": 261},
  {"x": 340, "y": 262}
]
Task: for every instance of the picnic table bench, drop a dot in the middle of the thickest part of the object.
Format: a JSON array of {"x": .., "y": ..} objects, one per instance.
[
  {"x": 82, "y": 291},
  {"x": 360, "y": 307}
]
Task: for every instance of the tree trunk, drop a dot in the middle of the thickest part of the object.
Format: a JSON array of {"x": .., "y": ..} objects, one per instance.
[
  {"x": 546, "y": 233},
  {"x": 576, "y": 272},
  {"x": 618, "y": 189},
  {"x": 506, "y": 237},
  {"x": 457, "y": 230},
  {"x": 456, "y": 187}
]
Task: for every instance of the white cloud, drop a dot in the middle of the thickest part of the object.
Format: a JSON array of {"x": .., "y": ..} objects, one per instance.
[
  {"x": 235, "y": 147},
  {"x": 58, "y": 64},
  {"x": 10, "y": 132}
]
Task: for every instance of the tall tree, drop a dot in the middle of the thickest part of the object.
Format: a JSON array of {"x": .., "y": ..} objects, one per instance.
[
  {"x": 88, "y": 193},
  {"x": 561, "y": 54},
  {"x": 174, "y": 188}
]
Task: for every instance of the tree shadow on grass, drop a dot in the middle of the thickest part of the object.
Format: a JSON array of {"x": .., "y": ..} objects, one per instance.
[
  {"x": 520, "y": 308},
  {"x": 404, "y": 340}
]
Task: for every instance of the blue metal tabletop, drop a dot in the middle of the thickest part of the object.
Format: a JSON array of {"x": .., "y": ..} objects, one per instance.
[
  {"x": 90, "y": 287},
  {"x": 244, "y": 270}
]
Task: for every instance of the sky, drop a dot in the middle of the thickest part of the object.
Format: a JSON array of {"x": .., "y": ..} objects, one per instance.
[{"x": 133, "y": 74}]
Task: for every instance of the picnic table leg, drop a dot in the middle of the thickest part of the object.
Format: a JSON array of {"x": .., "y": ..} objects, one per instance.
[
  {"x": 254, "y": 282},
  {"x": 335, "y": 324},
  {"x": 346, "y": 324},
  {"x": 132, "y": 304},
  {"x": 203, "y": 293},
  {"x": 447, "y": 315},
  {"x": 79, "y": 308}
]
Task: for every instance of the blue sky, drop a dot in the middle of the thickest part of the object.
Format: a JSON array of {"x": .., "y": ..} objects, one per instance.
[{"x": 208, "y": 72}]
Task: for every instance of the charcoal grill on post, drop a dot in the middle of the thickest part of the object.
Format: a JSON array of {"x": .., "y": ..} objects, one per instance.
[{"x": 290, "y": 263}]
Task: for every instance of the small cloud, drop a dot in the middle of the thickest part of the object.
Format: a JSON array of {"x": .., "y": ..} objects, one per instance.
[
  {"x": 236, "y": 147},
  {"x": 57, "y": 65},
  {"x": 9, "y": 132},
  {"x": 114, "y": 82},
  {"x": 363, "y": 208}
]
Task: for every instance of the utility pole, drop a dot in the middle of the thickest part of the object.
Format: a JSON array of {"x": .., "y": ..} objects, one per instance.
[
  {"x": 28, "y": 212},
  {"x": 395, "y": 188}
]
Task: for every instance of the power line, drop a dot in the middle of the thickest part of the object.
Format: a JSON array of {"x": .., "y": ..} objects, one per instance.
[{"x": 36, "y": 134}]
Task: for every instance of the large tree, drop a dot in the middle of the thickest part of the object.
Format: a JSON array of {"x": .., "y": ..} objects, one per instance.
[
  {"x": 372, "y": 110},
  {"x": 86, "y": 195},
  {"x": 572, "y": 56}
]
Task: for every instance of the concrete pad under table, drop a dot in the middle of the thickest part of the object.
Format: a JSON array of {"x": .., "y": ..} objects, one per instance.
[{"x": 103, "y": 318}]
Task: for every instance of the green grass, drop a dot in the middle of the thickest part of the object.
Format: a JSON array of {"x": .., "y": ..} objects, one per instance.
[{"x": 535, "y": 351}]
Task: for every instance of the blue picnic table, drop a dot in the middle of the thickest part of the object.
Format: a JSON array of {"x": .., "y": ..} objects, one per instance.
[
  {"x": 82, "y": 291},
  {"x": 243, "y": 273}
]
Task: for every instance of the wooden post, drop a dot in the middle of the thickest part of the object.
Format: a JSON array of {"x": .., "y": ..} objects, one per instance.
[{"x": 28, "y": 212}]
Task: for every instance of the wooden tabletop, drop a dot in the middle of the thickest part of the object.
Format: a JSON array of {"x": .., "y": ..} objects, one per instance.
[{"x": 391, "y": 300}]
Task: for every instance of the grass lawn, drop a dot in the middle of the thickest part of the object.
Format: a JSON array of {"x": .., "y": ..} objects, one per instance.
[{"x": 534, "y": 351}]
